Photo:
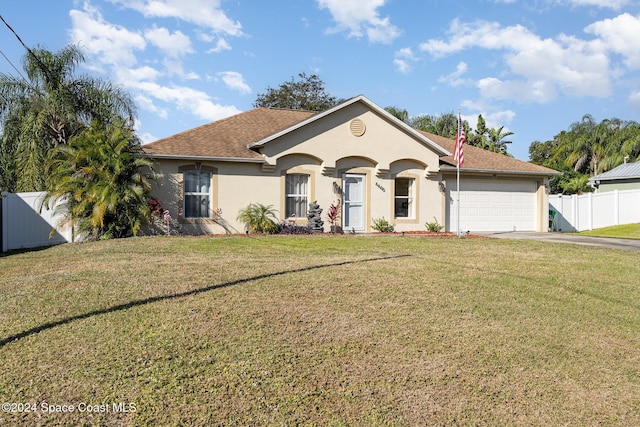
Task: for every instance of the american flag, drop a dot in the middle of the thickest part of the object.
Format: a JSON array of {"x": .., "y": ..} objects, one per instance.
[{"x": 458, "y": 154}]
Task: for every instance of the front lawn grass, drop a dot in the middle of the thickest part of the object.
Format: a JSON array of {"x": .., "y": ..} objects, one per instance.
[
  {"x": 321, "y": 330},
  {"x": 626, "y": 231}
]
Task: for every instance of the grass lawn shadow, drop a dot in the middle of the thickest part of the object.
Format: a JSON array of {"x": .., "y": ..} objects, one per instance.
[{"x": 145, "y": 301}]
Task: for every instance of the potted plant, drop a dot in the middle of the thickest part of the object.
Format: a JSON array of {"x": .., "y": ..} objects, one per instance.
[{"x": 332, "y": 215}]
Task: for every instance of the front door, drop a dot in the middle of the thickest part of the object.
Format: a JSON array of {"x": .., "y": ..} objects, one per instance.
[{"x": 354, "y": 201}]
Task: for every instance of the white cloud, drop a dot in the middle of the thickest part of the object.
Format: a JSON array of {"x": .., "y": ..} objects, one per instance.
[
  {"x": 402, "y": 65},
  {"x": 613, "y": 4},
  {"x": 403, "y": 60},
  {"x": 496, "y": 119},
  {"x": 359, "y": 18},
  {"x": 146, "y": 103},
  {"x": 634, "y": 101},
  {"x": 146, "y": 137},
  {"x": 540, "y": 68},
  {"x": 174, "y": 67},
  {"x": 194, "y": 101},
  {"x": 192, "y": 76},
  {"x": 174, "y": 45},
  {"x": 455, "y": 78},
  {"x": 221, "y": 45},
  {"x": 575, "y": 67},
  {"x": 137, "y": 74},
  {"x": 492, "y": 114},
  {"x": 521, "y": 91},
  {"x": 114, "y": 49},
  {"x": 620, "y": 35},
  {"x": 485, "y": 34},
  {"x": 235, "y": 81},
  {"x": 204, "y": 13},
  {"x": 110, "y": 44}
]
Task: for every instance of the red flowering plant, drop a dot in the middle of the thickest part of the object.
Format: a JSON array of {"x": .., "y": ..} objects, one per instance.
[
  {"x": 155, "y": 206},
  {"x": 334, "y": 211},
  {"x": 161, "y": 218}
]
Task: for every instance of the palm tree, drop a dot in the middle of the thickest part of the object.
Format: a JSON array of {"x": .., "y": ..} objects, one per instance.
[
  {"x": 580, "y": 145},
  {"x": 623, "y": 143},
  {"x": 479, "y": 137},
  {"x": 100, "y": 182},
  {"x": 423, "y": 122},
  {"x": 47, "y": 109},
  {"x": 445, "y": 124},
  {"x": 496, "y": 140},
  {"x": 400, "y": 114},
  {"x": 630, "y": 137},
  {"x": 260, "y": 218}
]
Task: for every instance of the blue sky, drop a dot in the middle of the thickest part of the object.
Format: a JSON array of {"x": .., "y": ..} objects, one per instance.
[{"x": 533, "y": 66}]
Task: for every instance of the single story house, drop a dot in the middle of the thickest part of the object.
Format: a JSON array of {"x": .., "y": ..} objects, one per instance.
[
  {"x": 355, "y": 154},
  {"x": 624, "y": 177}
]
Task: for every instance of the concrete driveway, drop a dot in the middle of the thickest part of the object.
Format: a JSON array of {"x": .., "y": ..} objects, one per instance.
[{"x": 605, "y": 242}]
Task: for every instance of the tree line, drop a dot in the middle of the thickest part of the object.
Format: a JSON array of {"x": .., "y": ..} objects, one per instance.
[
  {"x": 587, "y": 148},
  {"x": 446, "y": 124}
]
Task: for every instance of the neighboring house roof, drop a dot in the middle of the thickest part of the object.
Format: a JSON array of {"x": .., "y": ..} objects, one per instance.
[
  {"x": 480, "y": 160},
  {"x": 239, "y": 138},
  {"x": 624, "y": 171}
]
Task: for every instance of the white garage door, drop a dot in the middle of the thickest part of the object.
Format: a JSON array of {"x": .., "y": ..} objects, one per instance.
[{"x": 487, "y": 205}]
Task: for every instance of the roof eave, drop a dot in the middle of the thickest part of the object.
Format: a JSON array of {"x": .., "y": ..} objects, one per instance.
[
  {"x": 500, "y": 171},
  {"x": 615, "y": 178},
  {"x": 202, "y": 158}
]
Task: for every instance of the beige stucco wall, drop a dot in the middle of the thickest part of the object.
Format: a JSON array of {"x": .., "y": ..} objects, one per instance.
[
  {"x": 542, "y": 195},
  {"x": 325, "y": 149},
  {"x": 234, "y": 186}
]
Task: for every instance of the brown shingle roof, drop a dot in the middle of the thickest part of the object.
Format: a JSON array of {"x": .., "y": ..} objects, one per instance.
[
  {"x": 228, "y": 138},
  {"x": 483, "y": 160}
]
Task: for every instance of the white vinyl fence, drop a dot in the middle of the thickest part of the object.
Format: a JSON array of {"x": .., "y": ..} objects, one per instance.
[
  {"x": 595, "y": 210},
  {"x": 25, "y": 226}
]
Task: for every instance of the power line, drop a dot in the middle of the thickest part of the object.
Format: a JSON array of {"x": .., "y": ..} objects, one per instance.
[
  {"x": 11, "y": 63},
  {"x": 16, "y": 34},
  {"x": 44, "y": 67}
]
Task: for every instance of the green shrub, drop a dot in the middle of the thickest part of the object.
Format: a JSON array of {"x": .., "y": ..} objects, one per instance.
[
  {"x": 259, "y": 218},
  {"x": 434, "y": 226},
  {"x": 382, "y": 225}
]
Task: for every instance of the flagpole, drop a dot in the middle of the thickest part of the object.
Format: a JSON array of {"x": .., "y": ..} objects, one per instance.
[
  {"x": 458, "y": 176},
  {"x": 458, "y": 195}
]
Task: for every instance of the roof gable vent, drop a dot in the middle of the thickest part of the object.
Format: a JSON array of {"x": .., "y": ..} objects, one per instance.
[{"x": 357, "y": 127}]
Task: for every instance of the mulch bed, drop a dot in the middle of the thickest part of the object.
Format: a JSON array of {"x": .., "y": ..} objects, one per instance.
[
  {"x": 430, "y": 234},
  {"x": 439, "y": 235}
]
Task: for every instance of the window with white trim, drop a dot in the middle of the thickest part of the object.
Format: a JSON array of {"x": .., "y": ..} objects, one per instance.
[
  {"x": 197, "y": 194},
  {"x": 403, "y": 198},
  {"x": 297, "y": 195}
]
